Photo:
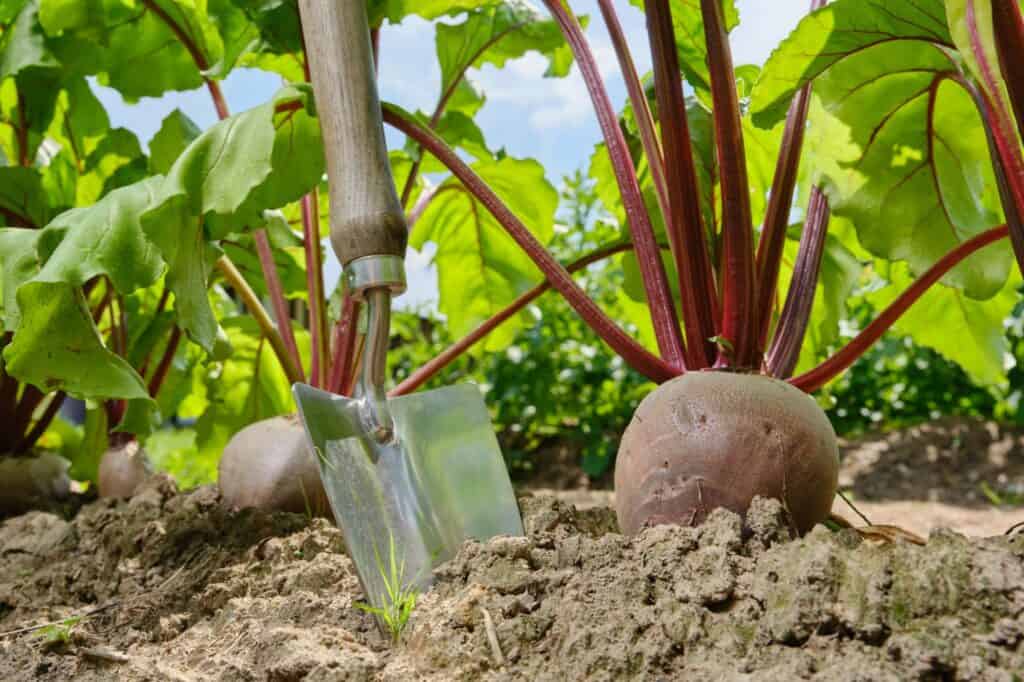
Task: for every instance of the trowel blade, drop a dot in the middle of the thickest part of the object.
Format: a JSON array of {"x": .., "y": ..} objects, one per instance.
[{"x": 441, "y": 481}]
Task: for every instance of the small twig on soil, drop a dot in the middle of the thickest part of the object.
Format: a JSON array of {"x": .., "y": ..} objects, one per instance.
[
  {"x": 492, "y": 638},
  {"x": 105, "y": 654},
  {"x": 879, "y": 532},
  {"x": 1012, "y": 529},
  {"x": 87, "y": 614},
  {"x": 891, "y": 534},
  {"x": 851, "y": 505}
]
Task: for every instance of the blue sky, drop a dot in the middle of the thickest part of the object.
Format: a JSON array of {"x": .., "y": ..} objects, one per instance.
[{"x": 550, "y": 120}]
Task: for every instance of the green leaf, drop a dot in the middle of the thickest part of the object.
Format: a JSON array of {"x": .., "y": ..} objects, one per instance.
[
  {"x": 115, "y": 151},
  {"x": 238, "y": 32},
  {"x": 922, "y": 182},
  {"x": 395, "y": 11},
  {"x": 247, "y": 387},
  {"x": 85, "y": 459},
  {"x": 56, "y": 347},
  {"x": 245, "y": 164},
  {"x": 138, "y": 53},
  {"x": 176, "y": 133},
  {"x": 480, "y": 268},
  {"x": 221, "y": 183},
  {"x": 104, "y": 239},
  {"x": 979, "y": 344},
  {"x": 690, "y": 44},
  {"x": 80, "y": 121},
  {"x": 18, "y": 264},
  {"x": 494, "y": 35},
  {"x": 22, "y": 198},
  {"x": 839, "y": 30},
  {"x": 457, "y": 130},
  {"x": 23, "y": 44}
]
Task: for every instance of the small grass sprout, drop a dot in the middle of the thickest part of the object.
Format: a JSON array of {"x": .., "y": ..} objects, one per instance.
[{"x": 398, "y": 599}]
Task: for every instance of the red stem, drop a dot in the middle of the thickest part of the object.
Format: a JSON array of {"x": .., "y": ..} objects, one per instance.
[
  {"x": 344, "y": 344},
  {"x": 315, "y": 286},
  {"x": 632, "y": 352},
  {"x": 27, "y": 404},
  {"x": 641, "y": 109},
  {"x": 162, "y": 369},
  {"x": 739, "y": 294},
  {"x": 796, "y": 313},
  {"x": 219, "y": 102},
  {"x": 44, "y": 421},
  {"x": 659, "y": 296},
  {"x": 685, "y": 225},
  {"x": 776, "y": 218},
  {"x": 1008, "y": 30},
  {"x": 828, "y": 370},
  {"x": 277, "y": 298},
  {"x": 427, "y": 371},
  {"x": 161, "y": 304},
  {"x": 1009, "y": 34}
]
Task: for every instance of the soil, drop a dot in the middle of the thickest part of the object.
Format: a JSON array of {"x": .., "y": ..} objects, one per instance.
[
  {"x": 929, "y": 476},
  {"x": 171, "y": 585}
]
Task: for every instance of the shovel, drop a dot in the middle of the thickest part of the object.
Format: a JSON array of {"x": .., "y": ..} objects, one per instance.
[{"x": 411, "y": 478}]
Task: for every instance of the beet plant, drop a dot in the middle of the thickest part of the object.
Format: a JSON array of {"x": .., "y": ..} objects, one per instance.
[
  {"x": 736, "y": 423},
  {"x": 751, "y": 203}
]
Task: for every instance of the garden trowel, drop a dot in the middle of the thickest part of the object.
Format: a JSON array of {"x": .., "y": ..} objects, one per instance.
[{"x": 409, "y": 478}]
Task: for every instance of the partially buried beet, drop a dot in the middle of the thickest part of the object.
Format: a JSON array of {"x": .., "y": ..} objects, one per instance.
[
  {"x": 718, "y": 439},
  {"x": 269, "y": 465}
]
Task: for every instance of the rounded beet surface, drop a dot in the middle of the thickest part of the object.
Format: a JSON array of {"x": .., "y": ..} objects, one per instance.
[
  {"x": 122, "y": 469},
  {"x": 717, "y": 439},
  {"x": 269, "y": 465}
]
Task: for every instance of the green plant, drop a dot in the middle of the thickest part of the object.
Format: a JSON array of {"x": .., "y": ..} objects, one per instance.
[
  {"x": 701, "y": 184},
  {"x": 58, "y": 633},
  {"x": 399, "y": 597}
]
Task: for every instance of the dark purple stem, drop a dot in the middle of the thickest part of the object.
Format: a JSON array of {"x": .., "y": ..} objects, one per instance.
[
  {"x": 641, "y": 109},
  {"x": 164, "y": 367},
  {"x": 685, "y": 225},
  {"x": 44, "y": 421},
  {"x": 277, "y": 298},
  {"x": 315, "y": 286},
  {"x": 659, "y": 296},
  {"x": 796, "y": 313},
  {"x": 776, "y": 218},
  {"x": 344, "y": 345},
  {"x": 1001, "y": 129},
  {"x": 739, "y": 292}
]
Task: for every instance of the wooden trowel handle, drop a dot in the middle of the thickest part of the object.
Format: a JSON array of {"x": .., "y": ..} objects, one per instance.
[{"x": 366, "y": 216}]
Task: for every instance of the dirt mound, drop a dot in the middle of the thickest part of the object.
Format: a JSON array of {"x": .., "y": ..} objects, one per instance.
[
  {"x": 174, "y": 587},
  {"x": 964, "y": 462}
]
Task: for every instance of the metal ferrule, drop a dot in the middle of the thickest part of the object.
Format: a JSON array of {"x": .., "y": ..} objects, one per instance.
[{"x": 375, "y": 272}]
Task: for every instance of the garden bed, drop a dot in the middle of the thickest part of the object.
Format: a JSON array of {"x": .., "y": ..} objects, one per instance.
[{"x": 172, "y": 586}]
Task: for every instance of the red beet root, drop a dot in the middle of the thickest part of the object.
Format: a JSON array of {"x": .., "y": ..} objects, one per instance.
[{"x": 717, "y": 439}]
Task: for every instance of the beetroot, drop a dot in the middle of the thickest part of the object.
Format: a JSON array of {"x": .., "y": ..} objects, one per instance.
[
  {"x": 269, "y": 465},
  {"x": 122, "y": 469},
  {"x": 717, "y": 439},
  {"x": 33, "y": 482}
]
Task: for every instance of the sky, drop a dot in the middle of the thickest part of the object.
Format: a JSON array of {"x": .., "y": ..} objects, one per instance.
[{"x": 550, "y": 120}]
